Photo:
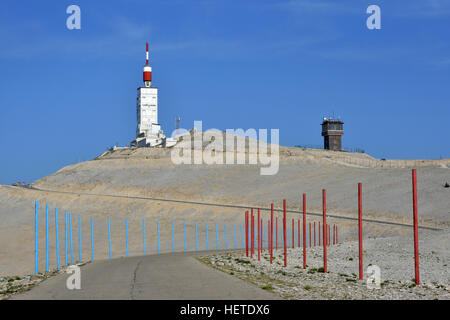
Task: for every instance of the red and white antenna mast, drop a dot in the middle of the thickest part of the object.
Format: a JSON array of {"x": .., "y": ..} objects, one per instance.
[{"x": 147, "y": 71}]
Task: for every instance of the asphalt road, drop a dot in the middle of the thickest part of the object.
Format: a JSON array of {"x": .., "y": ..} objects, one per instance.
[{"x": 173, "y": 276}]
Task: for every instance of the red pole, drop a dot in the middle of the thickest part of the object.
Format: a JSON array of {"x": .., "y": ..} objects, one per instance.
[
  {"x": 253, "y": 236},
  {"x": 360, "y": 231},
  {"x": 293, "y": 233},
  {"x": 276, "y": 231},
  {"x": 284, "y": 232},
  {"x": 271, "y": 232},
  {"x": 259, "y": 237},
  {"x": 416, "y": 227},
  {"x": 324, "y": 201},
  {"x": 262, "y": 235},
  {"x": 314, "y": 233},
  {"x": 246, "y": 233},
  {"x": 252, "y": 232},
  {"x": 304, "y": 231},
  {"x": 245, "y": 226}
]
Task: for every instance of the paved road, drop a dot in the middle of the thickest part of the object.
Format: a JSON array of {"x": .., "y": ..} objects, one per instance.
[
  {"x": 236, "y": 206},
  {"x": 166, "y": 276}
]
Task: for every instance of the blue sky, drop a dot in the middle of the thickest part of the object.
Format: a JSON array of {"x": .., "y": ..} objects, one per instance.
[{"x": 66, "y": 95}]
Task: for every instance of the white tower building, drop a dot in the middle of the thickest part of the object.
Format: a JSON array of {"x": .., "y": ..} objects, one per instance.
[
  {"x": 148, "y": 131},
  {"x": 147, "y": 111}
]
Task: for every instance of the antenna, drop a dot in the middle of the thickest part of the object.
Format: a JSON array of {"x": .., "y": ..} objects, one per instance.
[{"x": 147, "y": 72}]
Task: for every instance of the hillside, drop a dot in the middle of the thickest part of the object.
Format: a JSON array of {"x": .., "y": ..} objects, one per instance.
[{"x": 104, "y": 187}]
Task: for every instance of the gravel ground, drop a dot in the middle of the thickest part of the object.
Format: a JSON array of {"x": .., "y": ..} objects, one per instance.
[
  {"x": 393, "y": 255},
  {"x": 12, "y": 285},
  {"x": 16, "y": 284}
]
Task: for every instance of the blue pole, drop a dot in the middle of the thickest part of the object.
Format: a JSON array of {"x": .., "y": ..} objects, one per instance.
[
  {"x": 206, "y": 229},
  {"x": 242, "y": 235},
  {"x": 65, "y": 238},
  {"x": 92, "y": 238},
  {"x": 126, "y": 233},
  {"x": 36, "y": 237},
  {"x": 159, "y": 248},
  {"x": 234, "y": 231},
  {"x": 184, "y": 232},
  {"x": 225, "y": 234},
  {"x": 173, "y": 237},
  {"x": 71, "y": 238},
  {"x": 57, "y": 238},
  {"x": 79, "y": 236},
  {"x": 143, "y": 233},
  {"x": 46, "y": 239},
  {"x": 196, "y": 246},
  {"x": 217, "y": 238},
  {"x": 109, "y": 238}
]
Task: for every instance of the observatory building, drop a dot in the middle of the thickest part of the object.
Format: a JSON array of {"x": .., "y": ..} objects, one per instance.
[
  {"x": 332, "y": 131},
  {"x": 148, "y": 130}
]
